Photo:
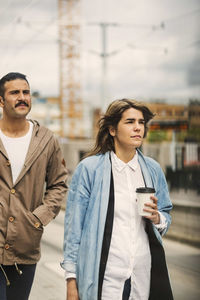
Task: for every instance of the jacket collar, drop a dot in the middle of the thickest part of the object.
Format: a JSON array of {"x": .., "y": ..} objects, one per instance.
[
  {"x": 36, "y": 138},
  {"x": 105, "y": 188},
  {"x": 3, "y": 150},
  {"x": 40, "y": 137}
]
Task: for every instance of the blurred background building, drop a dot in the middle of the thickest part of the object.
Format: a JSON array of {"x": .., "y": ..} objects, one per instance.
[{"x": 80, "y": 55}]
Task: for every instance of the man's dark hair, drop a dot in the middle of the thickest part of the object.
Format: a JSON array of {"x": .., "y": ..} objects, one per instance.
[{"x": 9, "y": 77}]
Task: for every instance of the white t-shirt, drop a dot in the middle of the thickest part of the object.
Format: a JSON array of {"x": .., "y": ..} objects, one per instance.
[{"x": 16, "y": 149}]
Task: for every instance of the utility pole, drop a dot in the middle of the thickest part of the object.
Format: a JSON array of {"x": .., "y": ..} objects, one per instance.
[{"x": 104, "y": 55}]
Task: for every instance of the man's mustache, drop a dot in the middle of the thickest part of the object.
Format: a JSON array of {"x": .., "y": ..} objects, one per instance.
[{"x": 20, "y": 103}]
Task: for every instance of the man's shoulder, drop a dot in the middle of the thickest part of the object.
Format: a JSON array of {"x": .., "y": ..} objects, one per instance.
[
  {"x": 40, "y": 129},
  {"x": 46, "y": 130}
]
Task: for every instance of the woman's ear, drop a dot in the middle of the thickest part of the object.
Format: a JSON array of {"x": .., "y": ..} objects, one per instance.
[{"x": 112, "y": 130}]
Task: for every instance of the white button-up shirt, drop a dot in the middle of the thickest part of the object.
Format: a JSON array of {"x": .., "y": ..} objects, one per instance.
[{"x": 129, "y": 253}]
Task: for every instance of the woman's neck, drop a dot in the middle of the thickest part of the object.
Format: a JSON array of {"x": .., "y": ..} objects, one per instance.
[{"x": 125, "y": 156}]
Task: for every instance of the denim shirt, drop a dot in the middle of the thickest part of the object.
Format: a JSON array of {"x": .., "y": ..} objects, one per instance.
[{"x": 85, "y": 216}]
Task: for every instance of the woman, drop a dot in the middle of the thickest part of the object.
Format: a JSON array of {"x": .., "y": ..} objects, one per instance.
[{"x": 110, "y": 251}]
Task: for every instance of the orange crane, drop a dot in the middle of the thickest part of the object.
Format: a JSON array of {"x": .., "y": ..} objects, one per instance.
[{"x": 71, "y": 106}]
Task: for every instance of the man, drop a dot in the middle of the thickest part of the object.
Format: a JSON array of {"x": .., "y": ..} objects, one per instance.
[
  {"x": 110, "y": 251},
  {"x": 30, "y": 157}
]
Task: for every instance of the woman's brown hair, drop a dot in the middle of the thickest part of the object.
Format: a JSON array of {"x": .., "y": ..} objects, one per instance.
[{"x": 104, "y": 141}]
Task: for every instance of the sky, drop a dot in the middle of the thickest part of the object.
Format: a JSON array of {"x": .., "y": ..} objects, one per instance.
[{"x": 152, "y": 48}]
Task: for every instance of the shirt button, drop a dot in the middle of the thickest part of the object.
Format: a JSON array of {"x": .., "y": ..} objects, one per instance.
[
  {"x": 12, "y": 191},
  {"x": 11, "y": 219},
  {"x": 6, "y": 246}
]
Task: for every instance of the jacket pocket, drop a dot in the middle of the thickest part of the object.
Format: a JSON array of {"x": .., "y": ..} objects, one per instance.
[{"x": 29, "y": 233}]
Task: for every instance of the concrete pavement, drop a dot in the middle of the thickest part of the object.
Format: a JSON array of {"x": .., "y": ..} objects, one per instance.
[
  {"x": 49, "y": 283},
  {"x": 184, "y": 269}
]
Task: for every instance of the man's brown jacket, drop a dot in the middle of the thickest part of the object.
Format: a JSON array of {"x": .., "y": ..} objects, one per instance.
[{"x": 28, "y": 204}]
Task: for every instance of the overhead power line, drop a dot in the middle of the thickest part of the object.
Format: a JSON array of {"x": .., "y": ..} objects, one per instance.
[
  {"x": 19, "y": 16},
  {"x": 181, "y": 16}
]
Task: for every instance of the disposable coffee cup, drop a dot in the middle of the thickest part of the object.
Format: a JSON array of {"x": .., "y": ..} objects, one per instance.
[{"x": 143, "y": 195}]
